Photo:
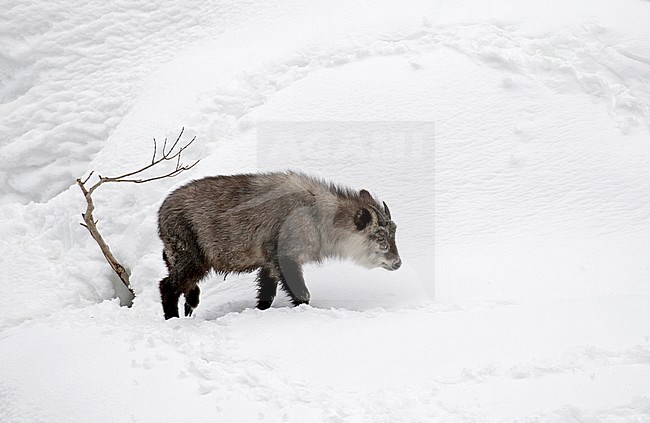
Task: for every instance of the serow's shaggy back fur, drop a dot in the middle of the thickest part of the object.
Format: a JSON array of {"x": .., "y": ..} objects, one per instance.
[{"x": 274, "y": 222}]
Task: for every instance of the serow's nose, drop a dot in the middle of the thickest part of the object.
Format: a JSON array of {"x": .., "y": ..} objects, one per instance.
[{"x": 397, "y": 264}]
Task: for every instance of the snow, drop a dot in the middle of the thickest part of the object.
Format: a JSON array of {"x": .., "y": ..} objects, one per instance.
[{"x": 510, "y": 140}]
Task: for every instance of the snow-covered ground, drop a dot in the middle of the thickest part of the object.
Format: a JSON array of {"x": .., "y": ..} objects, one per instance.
[{"x": 510, "y": 139}]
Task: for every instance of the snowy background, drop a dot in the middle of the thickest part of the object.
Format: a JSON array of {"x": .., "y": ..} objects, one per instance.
[{"x": 510, "y": 139}]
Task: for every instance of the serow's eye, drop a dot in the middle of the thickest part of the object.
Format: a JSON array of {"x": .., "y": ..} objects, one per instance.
[{"x": 382, "y": 244}]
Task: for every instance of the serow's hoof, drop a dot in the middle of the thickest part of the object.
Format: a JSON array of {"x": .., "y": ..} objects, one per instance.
[{"x": 263, "y": 305}]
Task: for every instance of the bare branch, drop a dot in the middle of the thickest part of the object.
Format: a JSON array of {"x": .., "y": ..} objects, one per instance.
[
  {"x": 90, "y": 223},
  {"x": 171, "y": 174},
  {"x": 166, "y": 156}
]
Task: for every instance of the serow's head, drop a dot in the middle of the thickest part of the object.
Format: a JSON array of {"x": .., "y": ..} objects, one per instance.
[{"x": 378, "y": 232}]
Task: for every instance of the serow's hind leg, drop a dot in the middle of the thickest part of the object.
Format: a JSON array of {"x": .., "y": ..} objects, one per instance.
[
  {"x": 267, "y": 286},
  {"x": 184, "y": 274},
  {"x": 191, "y": 299},
  {"x": 169, "y": 294},
  {"x": 293, "y": 283}
]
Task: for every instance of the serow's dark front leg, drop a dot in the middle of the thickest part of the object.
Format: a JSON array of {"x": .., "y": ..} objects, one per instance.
[
  {"x": 267, "y": 286},
  {"x": 292, "y": 282}
]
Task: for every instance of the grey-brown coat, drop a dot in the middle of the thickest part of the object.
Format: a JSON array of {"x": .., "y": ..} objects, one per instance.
[{"x": 274, "y": 222}]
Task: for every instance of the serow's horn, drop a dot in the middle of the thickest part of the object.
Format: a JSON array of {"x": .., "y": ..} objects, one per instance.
[{"x": 387, "y": 211}]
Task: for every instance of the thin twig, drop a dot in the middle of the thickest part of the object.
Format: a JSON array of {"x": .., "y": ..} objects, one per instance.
[
  {"x": 89, "y": 175},
  {"x": 177, "y": 140},
  {"x": 153, "y": 158}
]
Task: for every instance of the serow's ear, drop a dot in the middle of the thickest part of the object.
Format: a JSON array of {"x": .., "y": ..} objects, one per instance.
[
  {"x": 365, "y": 195},
  {"x": 362, "y": 218}
]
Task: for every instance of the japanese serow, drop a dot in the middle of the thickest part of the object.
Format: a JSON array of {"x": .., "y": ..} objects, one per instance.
[{"x": 271, "y": 222}]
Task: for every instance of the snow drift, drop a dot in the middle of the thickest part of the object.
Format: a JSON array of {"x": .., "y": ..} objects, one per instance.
[{"x": 509, "y": 138}]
